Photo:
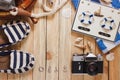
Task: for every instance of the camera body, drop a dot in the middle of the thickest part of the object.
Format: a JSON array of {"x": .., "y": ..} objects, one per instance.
[{"x": 87, "y": 64}]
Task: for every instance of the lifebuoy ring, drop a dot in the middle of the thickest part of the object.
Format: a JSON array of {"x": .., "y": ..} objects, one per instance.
[
  {"x": 85, "y": 15},
  {"x": 106, "y": 21}
]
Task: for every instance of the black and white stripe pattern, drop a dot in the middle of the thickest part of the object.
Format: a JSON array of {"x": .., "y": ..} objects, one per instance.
[
  {"x": 15, "y": 31},
  {"x": 20, "y": 62}
]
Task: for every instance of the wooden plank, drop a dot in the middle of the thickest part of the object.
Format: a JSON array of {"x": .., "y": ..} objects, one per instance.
[
  {"x": 74, "y": 49},
  {"x": 40, "y": 50},
  {"x": 39, "y": 43},
  {"x": 114, "y": 71},
  {"x": 52, "y": 47},
  {"x": 3, "y": 76},
  {"x": 13, "y": 77},
  {"x": 103, "y": 76},
  {"x": 60, "y": 48},
  {"x": 65, "y": 46}
]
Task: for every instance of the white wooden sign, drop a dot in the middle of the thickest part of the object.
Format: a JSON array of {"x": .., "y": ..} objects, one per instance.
[{"x": 104, "y": 26}]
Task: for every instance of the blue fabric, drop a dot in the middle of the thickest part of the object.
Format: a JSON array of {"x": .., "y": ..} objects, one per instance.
[
  {"x": 76, "y": 3},
  {"x": 104, "y": 45},
  {"x": 96, "y": 1},
  {"x": 101, "y": 44},
  {"x": 116, "y": 3},
  {"x": 117, "y": 37}
]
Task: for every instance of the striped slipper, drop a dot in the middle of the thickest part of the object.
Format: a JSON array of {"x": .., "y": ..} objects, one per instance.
[
  {"x": 15, "y": 62},
  {"x": 15, "y": 32}
]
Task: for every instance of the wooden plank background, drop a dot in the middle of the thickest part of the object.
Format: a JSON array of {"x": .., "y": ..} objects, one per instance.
[{"x": 52, "y": 36}]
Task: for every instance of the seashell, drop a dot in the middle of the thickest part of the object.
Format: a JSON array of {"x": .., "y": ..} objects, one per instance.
[
  {"x": 79, "y": 39},
  {"x": 89, "y": 44},
  {"x": 80, "y": 46}
]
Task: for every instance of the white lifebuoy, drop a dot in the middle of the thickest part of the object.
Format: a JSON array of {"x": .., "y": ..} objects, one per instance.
[
  {"x": 89, "y": 16},
  {"x": 109, "y": 21}
]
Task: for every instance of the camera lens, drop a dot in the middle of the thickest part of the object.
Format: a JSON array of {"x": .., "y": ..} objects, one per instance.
[{"x": 92, "y": 68}]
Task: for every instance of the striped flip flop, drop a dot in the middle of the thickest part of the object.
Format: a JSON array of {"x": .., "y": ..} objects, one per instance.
[
  {"x": 19, "y": 61},
  {"x": 15, "y": 31}
]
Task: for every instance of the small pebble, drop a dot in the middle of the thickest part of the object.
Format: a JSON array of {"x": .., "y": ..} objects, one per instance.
[
  {"x": 110, "y": 57},
  {"x": 41, "y": 69}
]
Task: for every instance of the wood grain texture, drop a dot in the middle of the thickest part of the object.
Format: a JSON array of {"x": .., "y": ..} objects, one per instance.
[
  {"x": 39, "y": 43},
  {"x": 104, "y": 76},
  {"x": 52, "y": 47},
  {"x": 74, "y": 49},
  {"x": 114, "y": 72},
  {"x": 65, "y": 46},
  {"x": 3, "y": 76},
  {"x": 52, "y": 41}
]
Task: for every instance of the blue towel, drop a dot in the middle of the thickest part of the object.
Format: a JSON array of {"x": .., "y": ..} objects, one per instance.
[
  {"x": 76, "y": 3},
  {"x": 116, "y": 3},
  {"x": 104, "y": 45}
]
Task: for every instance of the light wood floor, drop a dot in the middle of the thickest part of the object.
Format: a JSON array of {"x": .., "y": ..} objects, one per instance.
[{"x": 53, "y": 36}]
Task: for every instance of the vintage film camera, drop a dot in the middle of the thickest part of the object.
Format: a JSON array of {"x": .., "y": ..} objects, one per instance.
[{"x": 87, "y": 64}]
